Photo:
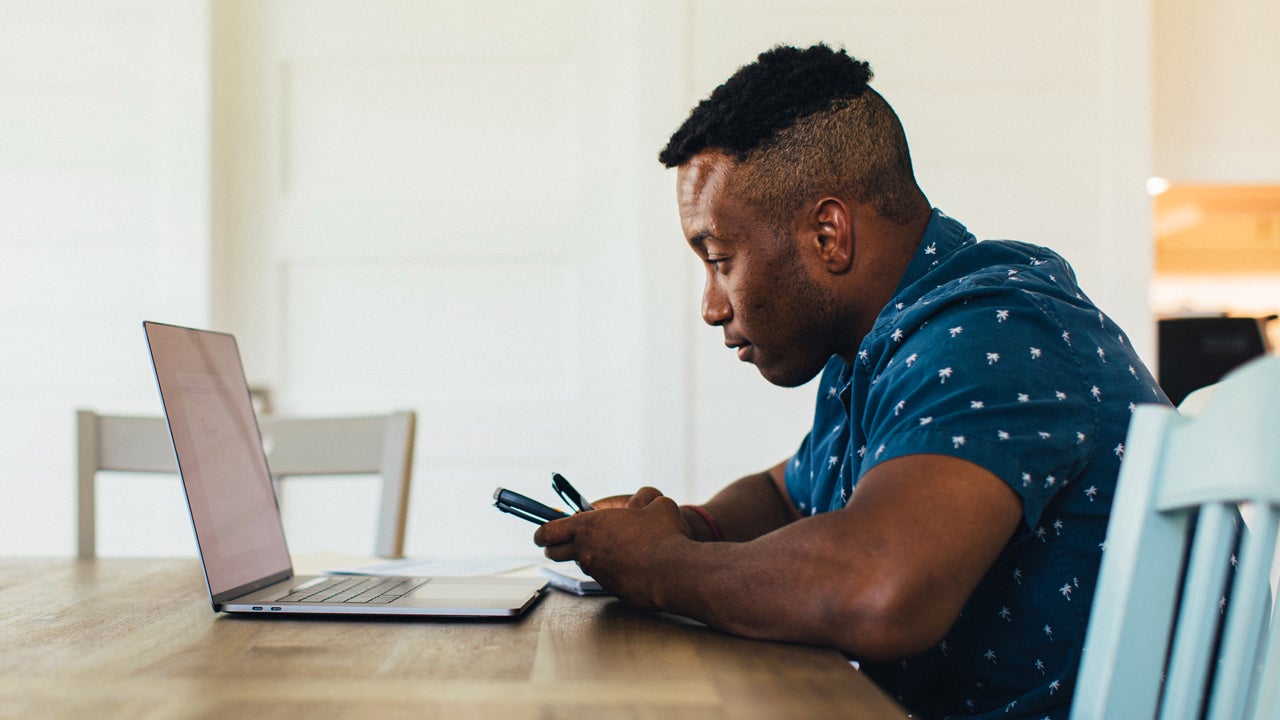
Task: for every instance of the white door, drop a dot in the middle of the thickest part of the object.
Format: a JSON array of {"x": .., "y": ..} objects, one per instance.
[{"x": 437, "y": 206}]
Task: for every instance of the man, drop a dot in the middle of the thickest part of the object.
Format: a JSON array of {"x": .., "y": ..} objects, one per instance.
[{"x": 942, "y": 522}]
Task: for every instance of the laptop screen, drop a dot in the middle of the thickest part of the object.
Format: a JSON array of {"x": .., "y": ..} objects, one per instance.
[{"x": 219, "y": 450}]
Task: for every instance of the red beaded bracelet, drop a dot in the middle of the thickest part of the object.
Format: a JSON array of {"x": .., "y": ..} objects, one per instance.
[{"x": 710, "y": 521}]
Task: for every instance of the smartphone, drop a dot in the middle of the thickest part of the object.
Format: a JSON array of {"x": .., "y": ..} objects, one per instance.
[{"x": 525, "y": 507}]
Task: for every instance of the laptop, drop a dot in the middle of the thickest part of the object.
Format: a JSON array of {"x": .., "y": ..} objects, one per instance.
[{"x": 247, "y": 567}]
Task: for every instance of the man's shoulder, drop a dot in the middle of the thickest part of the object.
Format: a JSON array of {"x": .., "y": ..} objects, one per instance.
[
  {"x": 1008, "y": 264},
  {"x": 969, "y": 303},
  {"x": 989, "y": 276}
]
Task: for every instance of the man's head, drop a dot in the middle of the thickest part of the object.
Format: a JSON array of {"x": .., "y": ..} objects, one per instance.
[
  {"x": 801, "y": 124},
  {"x": 785, "y": 169}
]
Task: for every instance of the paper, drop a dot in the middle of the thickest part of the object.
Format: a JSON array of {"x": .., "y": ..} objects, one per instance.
[
  {"x": 570, "y": 578},
  {"x": 442, "y": 567}
]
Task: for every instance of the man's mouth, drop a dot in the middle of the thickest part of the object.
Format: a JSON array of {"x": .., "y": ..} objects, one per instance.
[{"x": 744, "y": 349}]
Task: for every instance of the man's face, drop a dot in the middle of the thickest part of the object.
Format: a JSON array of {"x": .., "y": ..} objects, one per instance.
[{"x": 762, "y": 288}]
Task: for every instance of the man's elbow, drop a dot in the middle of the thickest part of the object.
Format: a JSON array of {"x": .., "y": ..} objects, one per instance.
[{"x": 887, "y": 624}]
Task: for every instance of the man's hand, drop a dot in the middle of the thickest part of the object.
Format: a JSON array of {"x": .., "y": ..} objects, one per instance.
[
  {"x": 621, "y": 543},
  {"x": 641, "y": 498}
]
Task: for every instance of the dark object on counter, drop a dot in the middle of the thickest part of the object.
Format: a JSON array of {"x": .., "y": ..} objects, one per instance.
[{"x": 1198, "y": 351}]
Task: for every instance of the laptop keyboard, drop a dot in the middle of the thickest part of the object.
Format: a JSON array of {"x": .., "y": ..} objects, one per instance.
[{"x": 354, "y": 589}]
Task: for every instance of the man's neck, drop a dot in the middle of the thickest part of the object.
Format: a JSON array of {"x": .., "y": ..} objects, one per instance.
[{"x": 891, "y": 249}]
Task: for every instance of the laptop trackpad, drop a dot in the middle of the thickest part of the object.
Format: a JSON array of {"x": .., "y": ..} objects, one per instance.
[{"x": 443, "y": 592}]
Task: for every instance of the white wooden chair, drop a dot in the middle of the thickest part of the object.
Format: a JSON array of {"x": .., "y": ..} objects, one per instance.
[
  {"x": 1158, "y": 644},
  {"x": 365, "y": 445},
  {"x": 1192, "y": 405}
]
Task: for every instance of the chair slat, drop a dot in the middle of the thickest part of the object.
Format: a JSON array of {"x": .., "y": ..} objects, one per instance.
[
  {"x": 1199, "y": 615},
  {"x": 1267, "y": 704},
  {"x": 135, "y": 444},
  {"x": 1247, "y": 612},
  {"x": 1144, "y": 550}
]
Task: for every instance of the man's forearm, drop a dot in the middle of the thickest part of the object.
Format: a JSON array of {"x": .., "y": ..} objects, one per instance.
[
  {"x": 795, "y": 585},
  {"x": 883, "y": 578},
  {"x": 774, "y": 588}
]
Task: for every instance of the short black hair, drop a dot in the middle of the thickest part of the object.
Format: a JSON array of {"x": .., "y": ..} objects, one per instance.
[
  {"x": 782, "y": 86},
  {"x": 803, "y": 123}
]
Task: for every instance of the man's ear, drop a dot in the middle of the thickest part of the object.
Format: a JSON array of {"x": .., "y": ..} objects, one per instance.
[{"x": 831, "y": 223}]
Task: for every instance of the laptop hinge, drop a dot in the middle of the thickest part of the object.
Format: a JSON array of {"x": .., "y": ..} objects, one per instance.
[{"x": 232, "y": 594}]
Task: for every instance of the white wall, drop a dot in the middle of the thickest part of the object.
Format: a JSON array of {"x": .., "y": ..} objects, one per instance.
[
  {"x": 1027, "y": 119},
  {"x": 103, "y": 223}
]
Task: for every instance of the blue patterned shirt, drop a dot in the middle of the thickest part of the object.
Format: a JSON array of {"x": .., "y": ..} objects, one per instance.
[{"x": 989, "y": 352}]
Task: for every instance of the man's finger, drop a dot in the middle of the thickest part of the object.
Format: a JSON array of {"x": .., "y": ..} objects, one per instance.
[
  {"x": 561, "y": 552},
  {"x": 643, "y": 497},
  {"x": 613, "y": 501},
  {"x": 556, "y": 532}
]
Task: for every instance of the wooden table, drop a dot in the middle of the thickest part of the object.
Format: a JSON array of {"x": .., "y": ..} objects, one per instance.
[{"x": 76, "y": 642}]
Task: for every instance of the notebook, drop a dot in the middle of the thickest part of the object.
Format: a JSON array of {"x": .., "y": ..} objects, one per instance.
[
  {"x": 572, "y": 579},
  {"x": 233, "y": 508}
]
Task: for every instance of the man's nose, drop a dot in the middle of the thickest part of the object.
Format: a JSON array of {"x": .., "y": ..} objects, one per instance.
[{"x": 715, "y": 305}]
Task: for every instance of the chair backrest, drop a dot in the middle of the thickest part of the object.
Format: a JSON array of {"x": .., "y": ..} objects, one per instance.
[
  {"x": 375, "y": 445},
  {"x": 1193, "y": 405},
  {"x": 1164, "y": 640}
]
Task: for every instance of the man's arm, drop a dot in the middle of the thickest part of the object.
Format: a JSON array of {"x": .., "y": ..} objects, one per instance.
[
  {"x": 747, "y": 508},
  {"x": 881, "y": 579},
  {"x": 744, "y": 509}
]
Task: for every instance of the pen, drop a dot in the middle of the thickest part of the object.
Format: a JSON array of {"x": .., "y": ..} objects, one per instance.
[
  {"x": 569, "y": 493},
  {"x": 524, "y": 507}
]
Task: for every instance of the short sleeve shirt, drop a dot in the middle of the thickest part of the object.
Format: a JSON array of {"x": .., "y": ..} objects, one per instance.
[{"x": 990, "y": 352}]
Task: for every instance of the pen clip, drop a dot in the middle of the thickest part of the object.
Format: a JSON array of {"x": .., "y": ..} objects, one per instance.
[
  {"x": 520, "y": 513},
  {"x": 569, "y": 494}
]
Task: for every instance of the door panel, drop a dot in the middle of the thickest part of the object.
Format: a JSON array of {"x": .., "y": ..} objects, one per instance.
[{"x": 421, "y": 209}]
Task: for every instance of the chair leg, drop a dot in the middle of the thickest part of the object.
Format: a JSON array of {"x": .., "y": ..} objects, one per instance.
[{"x": 86, "y": 470}]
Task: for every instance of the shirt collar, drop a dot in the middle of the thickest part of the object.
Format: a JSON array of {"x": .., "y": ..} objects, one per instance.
[{"x": 942, "y": 237}]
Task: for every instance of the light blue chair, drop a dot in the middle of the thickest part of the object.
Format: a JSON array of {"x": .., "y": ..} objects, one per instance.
[{"x": 1170, "y": 547}]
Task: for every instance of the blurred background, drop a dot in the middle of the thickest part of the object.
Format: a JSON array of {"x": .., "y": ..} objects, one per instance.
[{"x": 455, "y": 208}]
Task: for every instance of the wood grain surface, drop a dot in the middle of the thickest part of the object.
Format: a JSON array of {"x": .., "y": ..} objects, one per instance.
[{"x": 137, "y": 638}]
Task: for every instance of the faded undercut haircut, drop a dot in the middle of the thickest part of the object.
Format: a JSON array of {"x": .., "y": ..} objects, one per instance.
[{"x": 802, "y": 124}]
